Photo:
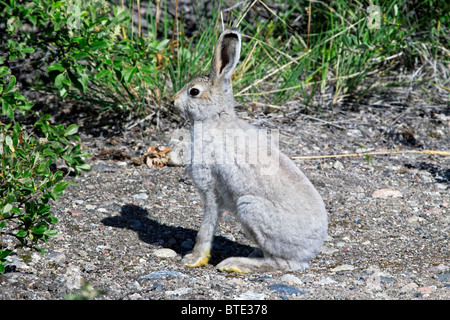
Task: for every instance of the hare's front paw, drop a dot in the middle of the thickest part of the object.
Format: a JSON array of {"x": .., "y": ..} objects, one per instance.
[{"x": 196, "y": 259}]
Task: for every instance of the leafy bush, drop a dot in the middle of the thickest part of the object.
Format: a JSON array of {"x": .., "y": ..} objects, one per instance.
[
  {"x": 27, "y": 182},
  {"x": 86, "y": 49}
]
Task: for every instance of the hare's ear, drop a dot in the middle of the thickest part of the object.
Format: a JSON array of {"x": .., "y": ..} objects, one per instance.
[{"x": 226, "y": 56}]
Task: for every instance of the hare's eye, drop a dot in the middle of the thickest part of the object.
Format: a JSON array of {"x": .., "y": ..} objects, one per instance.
[{"x": 194, "y": 92}]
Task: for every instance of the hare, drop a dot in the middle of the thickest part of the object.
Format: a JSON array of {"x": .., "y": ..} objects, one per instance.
[{"x": 278, "y": 207}]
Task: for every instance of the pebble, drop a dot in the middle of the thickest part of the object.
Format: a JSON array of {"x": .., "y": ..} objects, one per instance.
[
  {"x": 338, "y": 166},
  {"x": 328, "y": 250},
  {"x": 140, "y": 196},
  {"x": 409, "y": 287},
  {"x": 250, "y": 295},
  {"x": 386, "y": 193},
  {"x": 415, "y": 219},
  {"x": 444, "y": 277},
  {"x": 424, "y": 290},
  {"x": 281, "y": 288},
  {"x": 326, "y": 281},
  {"x": 344, "y": 267},
  {"x": 289, "y": 278},
  {"x": 165, "y": 253},
  {"x": 179, "y": 291},
  {"x": 56, "y": 257},
  {"x": 101, "y": 167},
  {"x": 164, "y": 274}
]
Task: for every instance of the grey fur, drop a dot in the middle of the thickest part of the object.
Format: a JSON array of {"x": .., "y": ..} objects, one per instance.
[{"x": 279, "y": 209}]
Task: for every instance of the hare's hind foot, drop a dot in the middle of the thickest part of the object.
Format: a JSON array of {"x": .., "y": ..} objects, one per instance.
[
  {"x": 246, "y": 265},
  {"x": 196, "y": 259}
]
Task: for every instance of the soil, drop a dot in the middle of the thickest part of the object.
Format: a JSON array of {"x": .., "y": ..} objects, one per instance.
[{"x": 124, "y": 227}]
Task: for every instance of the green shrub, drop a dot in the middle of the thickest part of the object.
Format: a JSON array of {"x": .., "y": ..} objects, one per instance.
[
  {"x": 86, "y": 50},
  {"x": 27, "y": 182}
]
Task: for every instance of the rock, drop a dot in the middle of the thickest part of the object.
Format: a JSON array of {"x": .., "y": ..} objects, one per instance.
[
  {"x": 424, "y": 290},
  {"x": 165, "y": 253},
  {"x": 250, "y": 295},
  {"x": 409, "y": 287},
  {"x": 164, "y": 274},
  {"x": 179, "y": 292},
  {"x": 140, "y": 196},
  {"x": 338, "y": 165},
  {"x": 387, "y": 279},
  {"x": 281, "y": 288},
  {"x": 101, "y": 167},
  {"x": 57, "y": 257},
  {"x": 386, "y": 193},
  {"x": 289, "y": 278},
  {"x": 328, "y": 250},
  {"x": 344, "y": 267},
  {"x": 326, "y": 281},
  {"x": 415, "y": 219},
  {"x": 444, "y": 277}
]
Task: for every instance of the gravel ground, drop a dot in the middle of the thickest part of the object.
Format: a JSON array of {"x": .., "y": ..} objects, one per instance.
[{"x": 125, "y": 227}]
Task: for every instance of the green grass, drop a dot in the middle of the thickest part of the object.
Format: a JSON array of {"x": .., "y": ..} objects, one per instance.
[{"x": 301, "y": 49}]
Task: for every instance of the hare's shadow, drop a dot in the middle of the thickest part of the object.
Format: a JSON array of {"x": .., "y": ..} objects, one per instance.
[{"x": 176, "y": 238}]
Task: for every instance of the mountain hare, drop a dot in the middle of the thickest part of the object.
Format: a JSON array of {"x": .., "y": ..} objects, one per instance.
[{"x": 278, "y": 207}]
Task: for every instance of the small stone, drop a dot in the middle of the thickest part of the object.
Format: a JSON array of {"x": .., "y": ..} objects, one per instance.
[
  {"x": 57, "y": 257},
  {"x": 326, "y": 281},
  {"x": 444, "y": 277},
  {"x": 409, "y": 287},
  {"x": 289, "y": 278},
  {"x": 415, "y": 219},
  {"x": 281, "y": 288},
  {"x": 338, "y": 166},
  {"x": 140, "y": 196},
  {"x": 79, "y": 202},
  {"x": 424, "y": 290},
  {"x": 387, "y": 279},
  {"x": 344, "y": 267},
  {"x": 250, "y": 295},
  {"x": 134, "y": 286},
  {"x": 179, "y": 291},
  {"x": 101, "y": 167},
  {"x": 90, "y": 207},
  {"x": 165, "y": 253},
  {"x": 386, "y": 193},
  {"x": 328, "y": 250},
  {"x": 164, "y": 274},
  {"x": 121, "y": 163}
]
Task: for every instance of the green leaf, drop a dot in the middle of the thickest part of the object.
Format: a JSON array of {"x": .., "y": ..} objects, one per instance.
[
  {"x": 39, "y": 229},
  {"x": 71, "y": 130},
  {"x": 60, "y": 187},
  {"x": 128, "y": 74},
  {"x": 58, "y": 80},
  {"x": 56, "y": 66},
  {"x": 83, "y": 167},
  {"x": 84, "y": 79},
  {"x": 4, "y": 253},
  {"x": 7, "y": 208},
  {"x": 99, "y": 45},
  {"x": 51, "y": 233},
  {"x": 21, "y": 233}
]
